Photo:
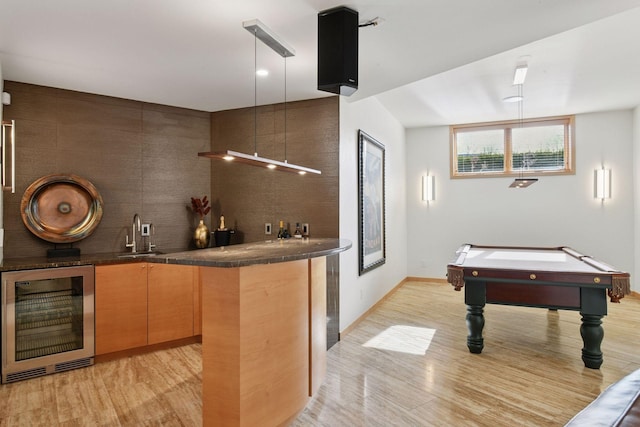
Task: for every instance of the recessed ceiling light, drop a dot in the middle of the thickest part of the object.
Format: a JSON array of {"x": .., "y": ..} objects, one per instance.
[
  {"x": 514, "y": 98},
  {"x": 262, "y": 72}
]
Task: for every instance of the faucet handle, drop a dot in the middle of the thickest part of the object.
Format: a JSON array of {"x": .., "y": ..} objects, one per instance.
[
  {"x": 152, "y": 232},
  {"x": 126, "y": 242}
]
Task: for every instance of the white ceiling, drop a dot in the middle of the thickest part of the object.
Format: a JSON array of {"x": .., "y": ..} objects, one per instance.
[{"x": 430, "y": 62}]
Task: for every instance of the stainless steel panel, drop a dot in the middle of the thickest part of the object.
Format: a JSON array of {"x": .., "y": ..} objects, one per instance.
[{"x": 44, "y": 322}]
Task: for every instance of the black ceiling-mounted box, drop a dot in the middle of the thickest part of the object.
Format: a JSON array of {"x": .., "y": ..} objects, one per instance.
[{"x": 338, "y": 51}]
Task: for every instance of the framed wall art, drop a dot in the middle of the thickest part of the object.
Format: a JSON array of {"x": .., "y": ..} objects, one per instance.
[{"x": 371, "y": 203}]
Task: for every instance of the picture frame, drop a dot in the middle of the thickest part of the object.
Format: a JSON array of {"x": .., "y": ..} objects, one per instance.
[{"x": 371, "y": 203}]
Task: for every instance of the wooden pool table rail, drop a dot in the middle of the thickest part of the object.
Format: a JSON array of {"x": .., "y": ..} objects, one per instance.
[{"x": 617, "y": 283}]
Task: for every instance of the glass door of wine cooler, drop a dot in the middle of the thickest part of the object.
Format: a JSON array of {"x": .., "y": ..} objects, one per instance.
[{"x": 47, "y": 321}]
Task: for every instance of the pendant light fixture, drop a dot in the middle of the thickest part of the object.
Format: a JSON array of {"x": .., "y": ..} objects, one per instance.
[
  {"x": 518, "y": 80},
  {"x": 268, "y": 37}
]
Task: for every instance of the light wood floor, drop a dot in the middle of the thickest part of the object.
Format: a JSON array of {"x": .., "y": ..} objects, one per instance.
[{"x": 405, "y": 365}]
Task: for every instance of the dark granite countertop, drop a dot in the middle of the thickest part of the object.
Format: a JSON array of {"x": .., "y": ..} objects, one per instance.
[
  {"x": 267, "y": 252},
  {"x": 27, "y": 263}
]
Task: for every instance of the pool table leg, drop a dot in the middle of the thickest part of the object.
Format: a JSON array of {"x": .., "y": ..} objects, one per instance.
[
  {"x": 475, "y": 324},
  {"x": 475, "y": 297},
  {"x": 592, "y": 334}
]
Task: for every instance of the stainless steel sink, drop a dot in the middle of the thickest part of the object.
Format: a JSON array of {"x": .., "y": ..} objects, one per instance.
[{"x": 139, "y": 255}]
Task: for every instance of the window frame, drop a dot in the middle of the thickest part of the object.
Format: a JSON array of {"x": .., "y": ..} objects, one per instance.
[{"x": 569, "y": 147}]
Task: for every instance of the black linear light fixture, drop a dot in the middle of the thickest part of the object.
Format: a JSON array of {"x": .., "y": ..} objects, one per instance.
[{"x": 268, "y": 37}]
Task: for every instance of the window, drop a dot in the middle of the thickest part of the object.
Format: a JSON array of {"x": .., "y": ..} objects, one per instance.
[{"x": 514, "y": 148}]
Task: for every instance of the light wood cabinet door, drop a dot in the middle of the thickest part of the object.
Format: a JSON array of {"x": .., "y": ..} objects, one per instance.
[
  {"x": 197, "y": 304},
  {"x": 120, "y": 307},
  {"x": 171, "y": 302}
]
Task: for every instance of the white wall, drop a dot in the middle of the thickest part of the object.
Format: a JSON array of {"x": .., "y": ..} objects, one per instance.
[
  {"x": 556, "y": 211},
  {"x": 636, "y": 191},
  {"x": 359, "y": 293}
]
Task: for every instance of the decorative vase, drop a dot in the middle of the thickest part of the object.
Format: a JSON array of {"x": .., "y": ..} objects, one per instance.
[{"x": 201, "y": 235}]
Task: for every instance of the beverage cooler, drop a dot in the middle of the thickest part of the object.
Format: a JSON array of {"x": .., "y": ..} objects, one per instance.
[{"x": 47, "y": 321}]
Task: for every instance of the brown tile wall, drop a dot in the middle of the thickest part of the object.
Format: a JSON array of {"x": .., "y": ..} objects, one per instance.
[
  {"x": 249, "y": 196},
  {"x": 141, "y": 157}
]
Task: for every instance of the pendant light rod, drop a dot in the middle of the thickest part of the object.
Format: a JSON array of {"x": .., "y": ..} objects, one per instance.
[
  {"x": 285, "y": 109},
  {"x": 255, "y": 92},
  {"x": 518, "y": 80}
]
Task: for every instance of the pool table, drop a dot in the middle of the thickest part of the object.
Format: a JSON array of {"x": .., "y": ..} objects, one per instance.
[{"x": 558, "y": 278}]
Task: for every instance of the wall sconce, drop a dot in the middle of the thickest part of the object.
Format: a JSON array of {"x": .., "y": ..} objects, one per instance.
[
  {"x": 602, "y": 184},
  {"x": 428, "y": 188}
]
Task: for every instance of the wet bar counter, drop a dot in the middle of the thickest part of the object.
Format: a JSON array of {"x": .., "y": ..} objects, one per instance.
[
  {"x": 263, "y": 328},
  {"x": 263, "y": 323}
]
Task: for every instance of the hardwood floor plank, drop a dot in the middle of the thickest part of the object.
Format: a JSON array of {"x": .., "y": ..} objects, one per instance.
[
  {"x": 406, "y": 364},
  {"x": 530, "y": 372},
  {"x": 86, "y": 401}
]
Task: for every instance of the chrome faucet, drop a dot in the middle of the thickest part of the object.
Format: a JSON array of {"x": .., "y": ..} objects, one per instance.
[{"x": 135, "y": 224}]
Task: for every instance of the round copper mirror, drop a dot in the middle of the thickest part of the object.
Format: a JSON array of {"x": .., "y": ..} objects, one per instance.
[{"x": 61, "y": 208}]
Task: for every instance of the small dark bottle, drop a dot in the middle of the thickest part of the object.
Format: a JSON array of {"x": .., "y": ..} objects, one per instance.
[
  {"x": 281, "y": 231},
  {"x": 298, "y": 233}
]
